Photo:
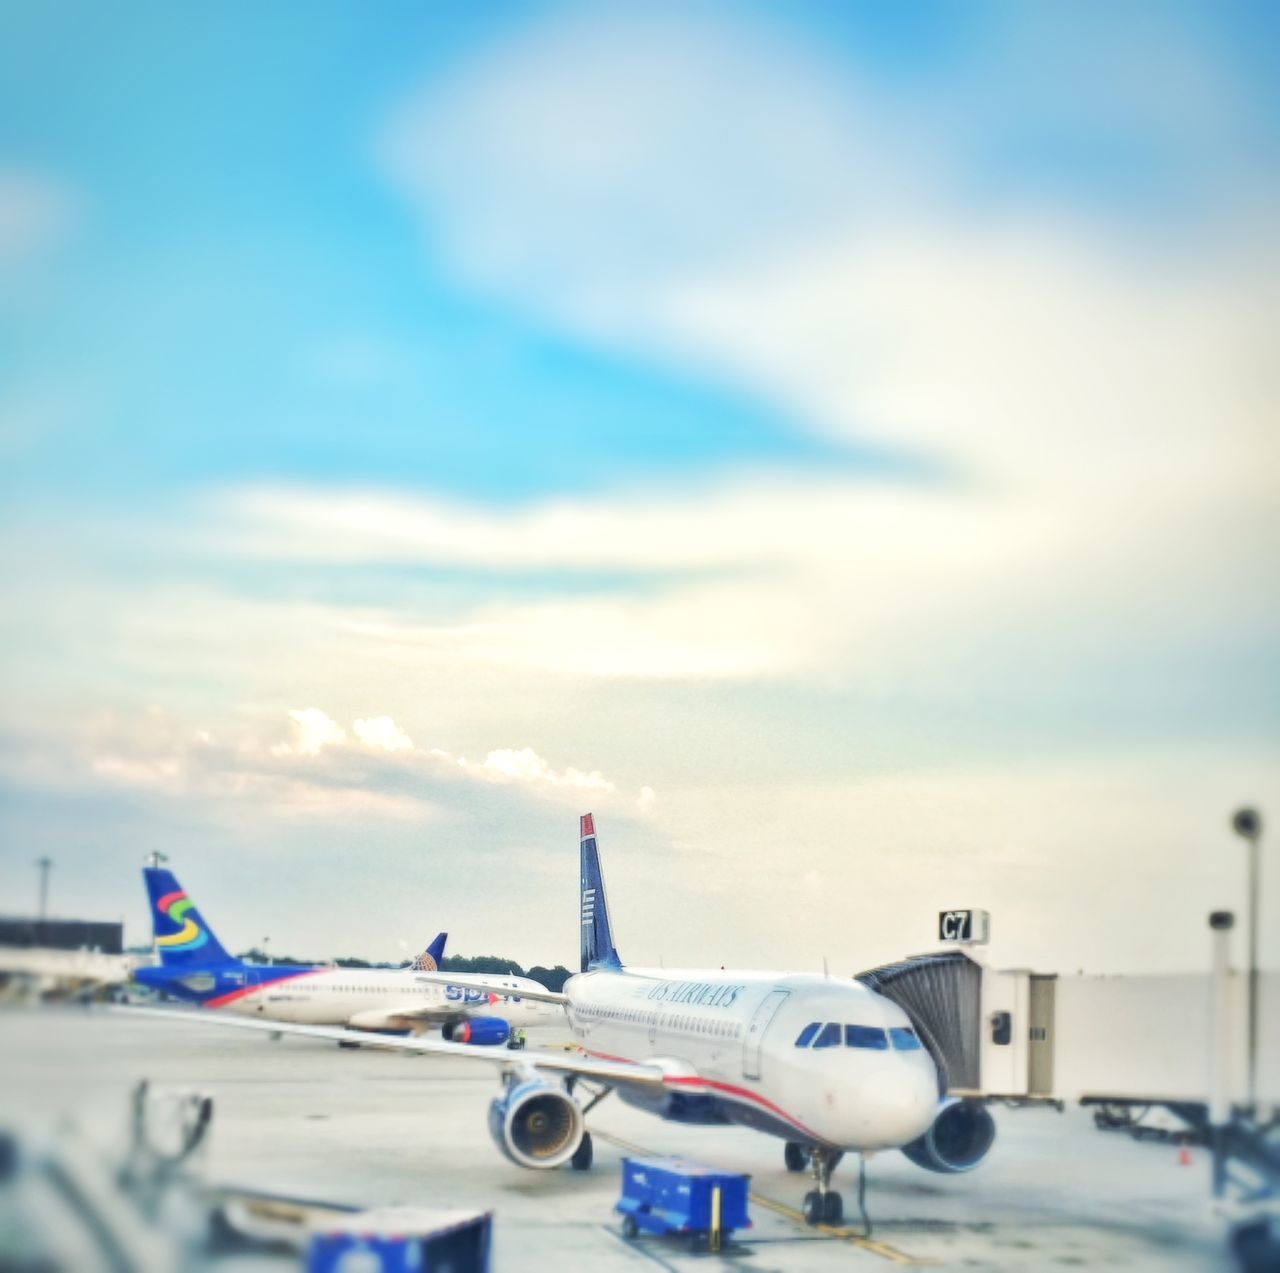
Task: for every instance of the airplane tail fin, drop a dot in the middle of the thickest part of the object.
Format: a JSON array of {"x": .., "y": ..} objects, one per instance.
[
  {"x": 181, "y": 935},
  {"x": 597, "y": 937},
  {"x": 429, "y": 960}
]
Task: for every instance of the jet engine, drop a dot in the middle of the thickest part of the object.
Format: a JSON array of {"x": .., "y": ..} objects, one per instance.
[
  {"x": 958, "y": 1140},
  {"x": 536, "y": 1124},
  {"x": 484, "y": 1030}
]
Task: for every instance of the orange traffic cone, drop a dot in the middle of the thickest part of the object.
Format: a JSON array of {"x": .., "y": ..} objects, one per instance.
[{"x": 1184, "y": 1155}]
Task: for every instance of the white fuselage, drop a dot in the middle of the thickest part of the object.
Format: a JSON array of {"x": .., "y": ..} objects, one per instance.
[
  {"x": 378, "y": 999},
  {"x": 728, "y": 1043}
]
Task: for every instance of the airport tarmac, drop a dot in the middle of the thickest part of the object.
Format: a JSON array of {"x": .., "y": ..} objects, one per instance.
[{"x": 371, "y": 1127}]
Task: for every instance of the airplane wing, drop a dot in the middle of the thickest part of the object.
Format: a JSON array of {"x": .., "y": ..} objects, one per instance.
[
  {"x": 493, "y": 988},
  {"x": 626, "y": 1073},
  {"x": 406, "y": 1017}
]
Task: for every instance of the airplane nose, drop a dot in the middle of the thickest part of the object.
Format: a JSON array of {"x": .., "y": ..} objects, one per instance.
[{"x": 901, "y": 1103}]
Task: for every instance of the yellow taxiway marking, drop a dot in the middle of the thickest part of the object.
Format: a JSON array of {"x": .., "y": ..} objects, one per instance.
[{"x": 882, "y": 1249}]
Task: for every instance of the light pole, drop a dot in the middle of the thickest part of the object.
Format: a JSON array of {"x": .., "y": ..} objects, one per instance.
[
  {"x": 154, "y": 858},
  {"x": 266, "y": 953},
  {"x": 44, "y": 865},
  {"x": 1247, "y": 824},
  {"x": 1221, "y": 922}
]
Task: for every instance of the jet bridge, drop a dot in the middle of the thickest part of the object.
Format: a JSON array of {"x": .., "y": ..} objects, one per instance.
[
  {"x": 942, "y": 994},
  {"x": 1017, "y": 1035},
  {"x": 990, "y": 1032},
  {"x": 1119, "y": 1042}
]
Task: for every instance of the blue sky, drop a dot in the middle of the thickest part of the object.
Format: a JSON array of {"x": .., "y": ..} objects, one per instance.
[
  {"x": 233, "y": 235},
  {"x": 237, "y": 252},
  {"x": 735, "y": 416}
]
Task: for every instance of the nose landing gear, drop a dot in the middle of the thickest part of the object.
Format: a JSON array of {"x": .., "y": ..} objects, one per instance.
[{"x": 822, "y": 1205}]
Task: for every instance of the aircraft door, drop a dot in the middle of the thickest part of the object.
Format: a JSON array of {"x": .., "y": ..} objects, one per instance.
[
  {"x": 755, "y": 1031},
  {"x": 1040, "y": 1030}
]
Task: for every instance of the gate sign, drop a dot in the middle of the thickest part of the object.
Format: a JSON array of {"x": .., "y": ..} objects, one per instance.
[{"x": 962, "y": 927}]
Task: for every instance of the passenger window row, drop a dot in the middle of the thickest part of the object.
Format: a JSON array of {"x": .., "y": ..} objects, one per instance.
[
  {"x": 664, "y": 1021},
  {"x": 831, "y": 1034}
]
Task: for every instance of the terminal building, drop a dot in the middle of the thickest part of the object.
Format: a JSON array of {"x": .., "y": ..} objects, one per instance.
[{"x": 106, "y": 938}]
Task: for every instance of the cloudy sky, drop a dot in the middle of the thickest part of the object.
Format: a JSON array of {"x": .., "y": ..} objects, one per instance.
[{"x": 835, "y": 444}]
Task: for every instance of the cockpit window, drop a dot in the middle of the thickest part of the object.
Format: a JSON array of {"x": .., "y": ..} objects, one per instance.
[
  {"x": 830, "y": 1036},
  {"x": 865, "y": 1036},
  {"x": 905, "y": 1038},
  {"x": 806, "y": 1035}
]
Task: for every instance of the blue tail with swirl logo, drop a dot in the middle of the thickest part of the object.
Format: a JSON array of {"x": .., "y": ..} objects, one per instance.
[{"x": 182, "y": 937}]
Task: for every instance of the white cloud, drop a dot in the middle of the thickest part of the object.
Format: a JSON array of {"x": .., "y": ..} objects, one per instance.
[
  {"x": 382, "y": 732},
  {"x": 508, "y": 764},
  {"x": 734, "y": 203},
  {"x": 1025, "y": 356},
  {"x": 804, "y": 581},
  {"x": 156, "y": 753},
  {"x": 312, "y": 731},
  {"x": 733, "y": 200},
  {"x": 642, "y": 141},
  {"x": 324, "y": 765}
]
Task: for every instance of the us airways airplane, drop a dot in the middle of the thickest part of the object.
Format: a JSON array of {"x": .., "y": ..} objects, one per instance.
[
  {"x": 823, "y": 1063},
  {"x": 195, "y": 966}
]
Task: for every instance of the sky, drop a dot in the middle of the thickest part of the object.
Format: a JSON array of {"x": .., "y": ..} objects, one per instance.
[{"x": 836, "y": 445}]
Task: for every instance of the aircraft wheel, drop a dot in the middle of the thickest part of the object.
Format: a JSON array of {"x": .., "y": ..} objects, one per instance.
[
  {"x": 833, "y": 1209},
  {"x": 582, "y": 1156},
  {"x": 795, "y": 1156},
  {"x": 630, "y": 1229},
  {"x": 813, "y": 1207}
]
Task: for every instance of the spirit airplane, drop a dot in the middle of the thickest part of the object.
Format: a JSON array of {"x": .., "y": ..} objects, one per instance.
[{"x": 465, "y": 1008}]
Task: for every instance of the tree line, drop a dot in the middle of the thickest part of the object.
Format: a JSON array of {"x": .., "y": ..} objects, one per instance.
[{"x": 492, "y": 965}]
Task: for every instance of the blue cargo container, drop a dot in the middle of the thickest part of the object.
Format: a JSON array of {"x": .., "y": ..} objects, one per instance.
[
  {"x": 669, "y": 1195},
  {"x": 402, "y": 1240}
]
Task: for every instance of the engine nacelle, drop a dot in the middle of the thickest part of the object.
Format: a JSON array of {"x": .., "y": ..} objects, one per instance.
[
  {"x": 536, "y": 1124},
  {"x": 958, "y": 1140},
  {"x": 488, "y": 1031}
]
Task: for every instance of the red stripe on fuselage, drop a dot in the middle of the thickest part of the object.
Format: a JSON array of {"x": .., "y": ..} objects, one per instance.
[
  {"x": 739, "y": 1093},
  {"x": 231, "y": 996}
]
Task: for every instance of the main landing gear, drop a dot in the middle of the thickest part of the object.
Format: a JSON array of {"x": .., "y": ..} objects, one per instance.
[
  {"x": 583, "y": 1155},
  {"x": 822, "y": 1205}
]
